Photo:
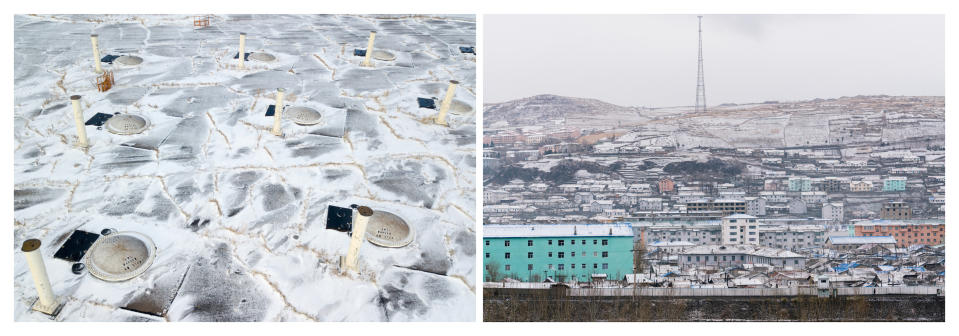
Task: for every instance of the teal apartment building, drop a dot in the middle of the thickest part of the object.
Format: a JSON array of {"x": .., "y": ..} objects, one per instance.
[
  {"x": 894, "y": 183},
  {"x": 800, "y": 184},
  {"x": 562, "y": 252}
]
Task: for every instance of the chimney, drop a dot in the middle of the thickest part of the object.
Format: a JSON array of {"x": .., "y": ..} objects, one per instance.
[
  {"x": 445, "y": 105},
  {"x": 277, "y": 112},
  {"x": 358, "y": 236},
  {"x": 47, "y": 302},
  {"x": 369, "y": 50},
  {"x": 242, "y": 49},
  {"x": 78, "y": 119},
  {"x": 94, "y": 39}
]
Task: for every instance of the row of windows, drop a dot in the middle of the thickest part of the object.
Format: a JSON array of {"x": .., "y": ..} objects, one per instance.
[
  {"x": 560, "y": 242},
  {"x": 529, "y": 267},
  {"x": 507, "y": 255},
  {"x": 731, "y": 258}
]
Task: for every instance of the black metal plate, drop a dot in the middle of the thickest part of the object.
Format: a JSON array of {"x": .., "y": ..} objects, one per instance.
[
  {"x": 76, "y": 246},
  {"x": 468, "y": 50},
  {"x": 339, "y": 219},
  {"x": 99, "y": 119},
  {"x": 426, "y": 103},
  {"x": 271, "y": 110},
  {"x": 246, "y": 56},
  {"x": 108, "y": 59},
  {"x": 359, "y": 52}
]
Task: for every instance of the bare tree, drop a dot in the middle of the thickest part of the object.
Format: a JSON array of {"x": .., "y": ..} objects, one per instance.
[
  {"x": 492, "y": 271},
  {"x": 639, "y": 252}
]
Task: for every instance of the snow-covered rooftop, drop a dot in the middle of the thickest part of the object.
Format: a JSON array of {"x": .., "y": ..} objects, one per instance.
[
  {"x": 558, "y": 230},
  {"x": 841, "y": 240},
  {"x": 238, "y": 214}
]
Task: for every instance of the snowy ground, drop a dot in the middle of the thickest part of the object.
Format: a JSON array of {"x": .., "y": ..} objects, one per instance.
[{"x": 238, "y": 214}]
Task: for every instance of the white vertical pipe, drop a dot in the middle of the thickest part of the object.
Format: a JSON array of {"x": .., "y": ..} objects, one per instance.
[
  {"x": 445, "y": 105},
  {"x": 94, "y": 39},
  {"x": 242, "y": 49},
  {"x": 78, "y": 119},
  {"x": 369, "y": 49},
  {"x": 47, "y": 302},
  {"x": 277, "y": 112},
  {"x": 359, "y": 235}
]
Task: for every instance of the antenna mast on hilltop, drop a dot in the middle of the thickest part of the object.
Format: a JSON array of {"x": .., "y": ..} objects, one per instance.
[{"x": 700, "y": 83}]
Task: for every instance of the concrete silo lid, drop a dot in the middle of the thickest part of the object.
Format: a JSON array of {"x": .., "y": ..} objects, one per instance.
[
  {"x": 262, "y": 57},
  {"x": 120, "y": 256},
  {"x": 302, "y": 115},
  {"x": 126, "y": 124},
  {"x": 460, "y": 107},
  {"x": 383, "y": 55},
  {"x": 128, "y": 60},
  {"x": 388, "y": 230}
]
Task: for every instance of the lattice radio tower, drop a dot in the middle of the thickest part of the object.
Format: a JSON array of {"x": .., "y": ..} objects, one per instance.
[{"x": 700, "y": 82}]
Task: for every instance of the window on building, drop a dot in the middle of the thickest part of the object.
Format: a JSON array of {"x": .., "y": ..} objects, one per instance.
[
  {"x": 506, "y": 243},
  {"x": 573, "y": 266},
  {"x": 605, "y": 242},
  {"x": 549, "y": 242},
  {"x": 584, "y": 243},
  {"x": 507, "y": 267},
  {"x": 583, "y": 266},
  {"x": 529, "y": 255},
  {"x": 605, "y": 266},
  {"x": 595, "y": 253},
  {"x": 487, "y": 243},
  {"x": 572, "y": 241},
  {"x": 550, "y": 266},
  {"x": 529, "y": 243},
  {"x": 507, "y": 255},
  {"x": 572, "y": 254},
  {"x": 561, "y": 254},
  {"x": 594, "y": 266},
  {"x": 487, "y": 254},
  {"x": 594, "y": 241},
  {"x": 561, "y": 266},
  {"x": 549, "y": 254},
  {"x": 529, "y": 267},
  {"x": 561, "y": 242},
  {"x": 605, "y": 254}
]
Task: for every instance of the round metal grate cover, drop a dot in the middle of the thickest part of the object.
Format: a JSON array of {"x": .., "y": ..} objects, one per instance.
[
  {"x": 383, "y": 55},
  {"x": 262, "y": 57},
  {"x": 302, "y": 115},
  {"x": 128, "y": 60},
  {"x": 460, "y": 107},
  {"x": 127, "y": 124},
  {"x": 388, "y": 230},
  {"x": 120, "y": 256}
]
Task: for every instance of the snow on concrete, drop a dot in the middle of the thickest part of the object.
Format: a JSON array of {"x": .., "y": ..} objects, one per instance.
[{"x": 238, "y": 214}]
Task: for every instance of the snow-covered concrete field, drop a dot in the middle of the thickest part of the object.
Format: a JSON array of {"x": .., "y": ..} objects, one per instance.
[{"x": 238, "y": 214}]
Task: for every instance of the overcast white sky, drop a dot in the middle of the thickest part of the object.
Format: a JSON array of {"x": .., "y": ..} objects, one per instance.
[{"x": 650, "y": 60}]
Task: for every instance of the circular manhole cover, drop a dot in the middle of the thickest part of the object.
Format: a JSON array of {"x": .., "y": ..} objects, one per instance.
[
  {"x": 460, "y": 107},
  {"x": 262, "y": 57},
  {"x": 388, "y": 230},
  {"x": 120, "y": 256},
  {"x": 129, "y": 60},
  {"x": 127, "y": 124},
  {"x": 302, "y": 115},
  {"x": 383, "y": 55}
]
